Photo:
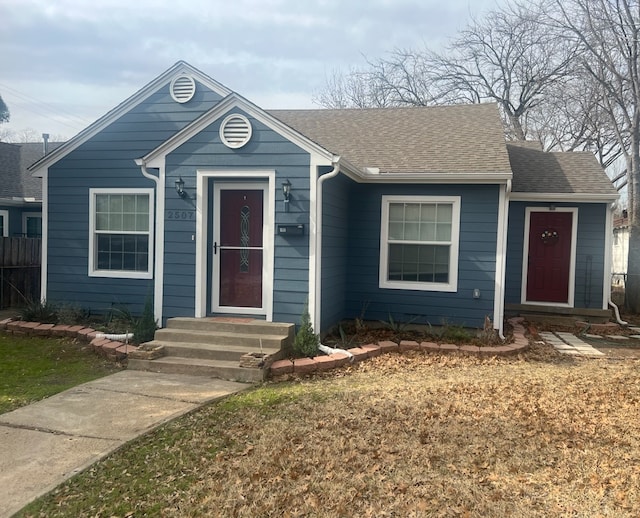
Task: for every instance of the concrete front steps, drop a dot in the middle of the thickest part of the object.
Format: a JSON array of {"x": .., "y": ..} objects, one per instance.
[{"x": 213, "y": 347}]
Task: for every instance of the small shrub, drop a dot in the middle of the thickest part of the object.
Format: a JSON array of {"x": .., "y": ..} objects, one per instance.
[
  {"x": 346, "y": 341},
  {"x": 72, "y": 314},
  {"x": 144, "y": 328},
  {"x": 120, "y": 319},
  {"x": 306, "y": 341},
  {"x": 455, "y": 333},
  {"x": 41, "y": 311},
  {"x": 396, "y": 326},
  {"x": 360, "y": 321},
  {"x": 488, "y": 335}
]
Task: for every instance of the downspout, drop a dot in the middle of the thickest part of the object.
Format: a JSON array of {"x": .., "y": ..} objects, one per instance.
[
  {"x": 44, "y": 252},
  {"x": 318, "y": 260},
  {"x": 501, "y": 257},
  {"x": 159, "y": 241}
]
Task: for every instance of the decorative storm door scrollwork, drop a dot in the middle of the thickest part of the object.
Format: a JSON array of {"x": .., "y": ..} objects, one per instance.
[{"x": 245, "y": 214}]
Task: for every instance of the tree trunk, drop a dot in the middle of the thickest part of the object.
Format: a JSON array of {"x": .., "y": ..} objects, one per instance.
[{"x": 632, "y": 286}]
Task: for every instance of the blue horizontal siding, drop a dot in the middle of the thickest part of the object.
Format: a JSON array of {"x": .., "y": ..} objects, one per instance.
[
  {"x": 335, "y": 250},
  {"x": 266, "y": 150},
  {"x": 477, "y": 248},
  {"x": 106, "y": 160}
]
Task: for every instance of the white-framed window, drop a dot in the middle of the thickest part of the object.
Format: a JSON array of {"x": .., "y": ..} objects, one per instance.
[
  {"x": 121, "y": 233},
  {"x": 4, "y": 223},
  {"x": 32, "y": 224},
  {"x": 419, "y": 238}
]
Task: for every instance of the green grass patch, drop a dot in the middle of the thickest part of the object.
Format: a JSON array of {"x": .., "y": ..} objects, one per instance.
[
  {"x": 32, "y": 368},
  {"x": 263, "y": 399}
]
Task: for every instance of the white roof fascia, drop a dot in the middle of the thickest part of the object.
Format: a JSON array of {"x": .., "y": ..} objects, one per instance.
[
  {"x": 111, "y": 116},
  {"x": 564, "y": 197},
  {"x": 19, "y": 202},
  {"x": 156, "y": 157}
]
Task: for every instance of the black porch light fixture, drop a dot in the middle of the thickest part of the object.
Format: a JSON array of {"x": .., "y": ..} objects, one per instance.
[
  {"x": 180, "y": 187},
  {"x": 286, "y": 191}
]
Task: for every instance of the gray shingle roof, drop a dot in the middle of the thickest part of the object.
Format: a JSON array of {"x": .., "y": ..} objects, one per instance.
[
  {"x": 536, "y": 171},
  {"x": 15, "y": 180},
  {"x": 10, "y": 181},
  {"x": 435, "y": 139}
]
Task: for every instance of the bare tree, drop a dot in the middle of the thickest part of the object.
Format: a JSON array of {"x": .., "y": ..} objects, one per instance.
[
  {"x": 27, "y": 135},
  {"x": 571, "y": 118},
  {"x": 608, "y": 32},
  {"x": 4, "y": 112},
  {"x": 355, "y": 89},
  {"x": 508, "y": 57}
]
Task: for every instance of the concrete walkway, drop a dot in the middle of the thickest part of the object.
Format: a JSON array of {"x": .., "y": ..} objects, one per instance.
[
  {"x": 43, "y": 444},
  {"x": 568, "y": 343}
]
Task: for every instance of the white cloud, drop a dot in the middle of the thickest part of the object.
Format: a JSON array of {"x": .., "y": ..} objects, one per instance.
[{"x": 85, "y": 57}]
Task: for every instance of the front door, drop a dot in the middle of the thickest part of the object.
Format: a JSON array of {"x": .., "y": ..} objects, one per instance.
[
  {"x": 549, "y": 258},
  {"x": 238, "y": 248}
]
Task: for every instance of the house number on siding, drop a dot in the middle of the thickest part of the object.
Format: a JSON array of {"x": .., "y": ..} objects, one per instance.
[{"x": 180, "y": 214}]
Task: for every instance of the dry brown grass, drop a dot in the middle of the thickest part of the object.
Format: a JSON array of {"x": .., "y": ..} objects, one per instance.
[{"x": 399, "y": 435}]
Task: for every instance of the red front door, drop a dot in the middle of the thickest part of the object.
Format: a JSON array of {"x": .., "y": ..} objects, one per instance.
[
  {"x": 240, "y": 248},
  {"x": 549, "y": 259}
]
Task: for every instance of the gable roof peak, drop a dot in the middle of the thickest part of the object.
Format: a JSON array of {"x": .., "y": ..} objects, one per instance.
[{"x": 143, "y": 93}]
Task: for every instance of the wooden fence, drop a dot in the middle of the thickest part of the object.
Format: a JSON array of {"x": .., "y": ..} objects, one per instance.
[{"x": 19, "y": 270}]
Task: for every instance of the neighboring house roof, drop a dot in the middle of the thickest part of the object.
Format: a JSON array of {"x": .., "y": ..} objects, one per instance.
[
  {"x": 9, "y": 170},
  {"x": 465, "y": 139},
  {"x": 16, "y": 182},
  {"x": 537, "y": 171}
]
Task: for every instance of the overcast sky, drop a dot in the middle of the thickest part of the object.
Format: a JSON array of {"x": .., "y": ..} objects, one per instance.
[{"x": 64, "y": 63}]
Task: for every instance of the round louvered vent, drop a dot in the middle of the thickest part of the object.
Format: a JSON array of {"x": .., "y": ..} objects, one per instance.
[
  {"x": 182, "y": 88},
  {"x": 235, "y": 131}
]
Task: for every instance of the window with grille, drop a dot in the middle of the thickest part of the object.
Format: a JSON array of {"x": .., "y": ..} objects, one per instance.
[
  {"x": 419, "y": 242},
  {"x": 121, "y": 233}
]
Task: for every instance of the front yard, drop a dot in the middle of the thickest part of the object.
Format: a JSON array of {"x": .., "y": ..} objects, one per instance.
[
  {"x": 405, "y": 435},
  {"x": 32, "y": 368}
]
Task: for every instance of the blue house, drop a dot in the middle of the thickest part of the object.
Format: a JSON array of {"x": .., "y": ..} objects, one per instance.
[{"x": 191, "y": 194}]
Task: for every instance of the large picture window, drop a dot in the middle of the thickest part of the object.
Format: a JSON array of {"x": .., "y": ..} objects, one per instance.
[
  {"x": 419, "y": 242},
  {"x": 121, "y": 238}
]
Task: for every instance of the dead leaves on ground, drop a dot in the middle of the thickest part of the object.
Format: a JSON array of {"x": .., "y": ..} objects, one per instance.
[{"x": 406, "y": 435}]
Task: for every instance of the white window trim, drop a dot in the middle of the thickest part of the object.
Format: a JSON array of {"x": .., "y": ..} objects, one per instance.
[
  {"x": 119, "y": 274},
  {"x": 27, "y": 215},
  {"x": 452, "y": 285},
  {"x": 5, "y": 228}
]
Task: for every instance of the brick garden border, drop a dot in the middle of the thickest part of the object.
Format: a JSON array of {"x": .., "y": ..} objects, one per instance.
[
  {"x": 117, "y": 351},
  {"x": 304, "y": 366},
  {"x": 113, "y": 350}
]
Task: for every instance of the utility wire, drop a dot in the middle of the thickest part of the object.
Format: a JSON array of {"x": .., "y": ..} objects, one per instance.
[{"x": 69, "y": 120}]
